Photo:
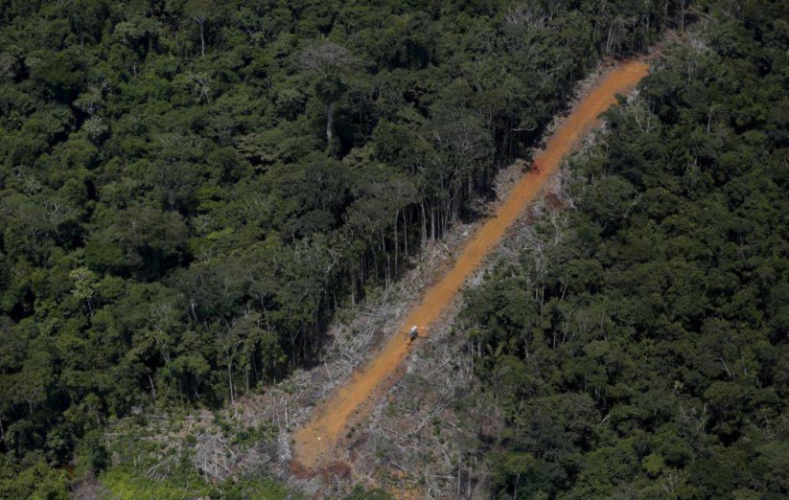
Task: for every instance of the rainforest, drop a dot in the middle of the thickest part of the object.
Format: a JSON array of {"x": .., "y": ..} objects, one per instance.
[{"x": 215, "y": 215}]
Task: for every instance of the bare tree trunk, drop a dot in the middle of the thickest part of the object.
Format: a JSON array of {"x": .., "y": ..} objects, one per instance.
[
  {"x": 397, "y": 218},
  {"x": 387, "y": 274},
  {"x": 330, "y": 122},
  {"x": 153, "y": 388},
  {"x": 202, "y": 39},
  {"x": 423, "y": 216},
  {"x": 432, "y": 225},
  {"x": 230, "y": 381},
  {"x": 200, "y": 20},
  {"x": 405, "y": 234}
]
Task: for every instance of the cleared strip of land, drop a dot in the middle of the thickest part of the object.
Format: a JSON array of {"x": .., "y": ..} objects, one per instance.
[{"x": 317, "y": 442}]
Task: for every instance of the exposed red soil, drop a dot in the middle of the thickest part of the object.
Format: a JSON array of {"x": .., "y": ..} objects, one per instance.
[{"x": 318, "y": 443}]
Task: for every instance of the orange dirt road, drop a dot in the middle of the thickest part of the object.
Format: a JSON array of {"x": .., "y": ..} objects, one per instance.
[{"x": 316, "y": 442}]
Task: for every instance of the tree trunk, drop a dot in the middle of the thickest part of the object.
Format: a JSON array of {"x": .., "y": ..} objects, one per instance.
[
  {"x": 330, "y": 123},
  {"x": 387, "y": 274},
  {"x": 230, "y": 380},
  {"x": 202, "y": 37},
  {"x": 423, "y": 217},
  {"x": 432, "y": 224},
  {"x": 153, "y": 388},
  {"x": 405, "y": 235},
  {"x": 397, "y": 218}
]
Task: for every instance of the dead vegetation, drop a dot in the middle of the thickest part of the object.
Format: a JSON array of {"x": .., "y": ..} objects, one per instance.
[
  {"x": 429, "y": 434},
  {"x": 427, "y": 437}
]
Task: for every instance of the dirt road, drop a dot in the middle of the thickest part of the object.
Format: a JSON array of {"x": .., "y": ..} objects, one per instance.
[{"x": 317, "y": 442}]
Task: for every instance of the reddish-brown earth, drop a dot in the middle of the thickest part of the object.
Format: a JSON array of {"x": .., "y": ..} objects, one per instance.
[{"x": 317, "y": 443}]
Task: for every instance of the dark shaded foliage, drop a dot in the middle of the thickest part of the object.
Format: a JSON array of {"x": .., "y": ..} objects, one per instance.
[
  {"x": 189, "y": 188},
  {"x": 642, "y": 352}
]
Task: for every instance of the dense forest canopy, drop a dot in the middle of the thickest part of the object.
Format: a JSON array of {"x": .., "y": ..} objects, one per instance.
[
  {"x": 640, "y": 348},
  {"x": 188, "y": 189}
]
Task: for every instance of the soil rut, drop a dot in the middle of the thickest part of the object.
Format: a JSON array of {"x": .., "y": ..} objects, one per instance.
[{"x": 317, "y": 441}]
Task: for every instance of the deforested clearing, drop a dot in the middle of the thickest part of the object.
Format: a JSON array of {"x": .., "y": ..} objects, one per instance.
[{"x": 347, "y": 404}]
